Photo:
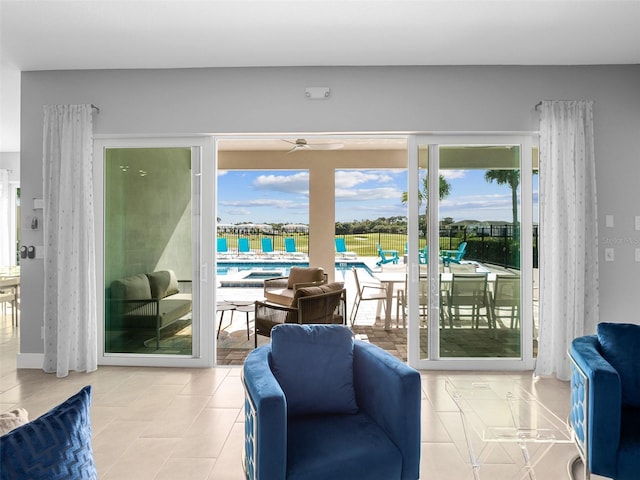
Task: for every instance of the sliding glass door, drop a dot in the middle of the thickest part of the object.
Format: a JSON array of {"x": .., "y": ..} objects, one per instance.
[
  {"x": 470, "y": 252},
  {"x": 150, "y": 199}
]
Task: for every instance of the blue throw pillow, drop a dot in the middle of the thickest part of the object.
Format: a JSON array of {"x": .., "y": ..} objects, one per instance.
[
  {"x": 55, "y": 446},
  {"x": 314, "y": 366},
  {"x": 620, "y": 344}
]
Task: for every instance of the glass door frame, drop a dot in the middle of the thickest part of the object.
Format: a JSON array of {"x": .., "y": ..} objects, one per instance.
[
  {"x": 203, "y": 354},
  {"x": 434, "y": 361}
]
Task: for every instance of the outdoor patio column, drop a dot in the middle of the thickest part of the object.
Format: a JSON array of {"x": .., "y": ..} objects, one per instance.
[{"x": 322, "y": 206}]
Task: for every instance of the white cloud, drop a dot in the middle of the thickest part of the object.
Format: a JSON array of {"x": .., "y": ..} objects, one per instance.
[
  {"x": 351, "y": 178},
  {"x": 366, "y": 194},
  {"x": 295, "y": 183}
]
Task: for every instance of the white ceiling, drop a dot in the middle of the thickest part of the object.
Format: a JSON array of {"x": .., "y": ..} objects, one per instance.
[{"x": 97, "y": 34}]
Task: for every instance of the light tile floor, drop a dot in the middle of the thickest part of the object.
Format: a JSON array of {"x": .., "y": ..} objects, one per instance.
[{"x": 163, "y": 423}]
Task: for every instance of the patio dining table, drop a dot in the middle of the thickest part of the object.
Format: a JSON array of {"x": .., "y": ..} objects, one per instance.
[{"x": 390, "y": 278}]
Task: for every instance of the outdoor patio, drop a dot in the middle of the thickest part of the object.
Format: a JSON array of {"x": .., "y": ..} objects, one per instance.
[{"x": 233, "y": 345}]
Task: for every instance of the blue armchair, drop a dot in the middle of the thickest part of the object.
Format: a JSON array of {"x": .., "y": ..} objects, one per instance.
[
  {"x": 319, "y": 405},
  {"x": 605, "y": 400}
]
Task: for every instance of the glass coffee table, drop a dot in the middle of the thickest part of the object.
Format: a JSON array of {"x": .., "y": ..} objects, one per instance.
[{"x": 505, "y": 429}]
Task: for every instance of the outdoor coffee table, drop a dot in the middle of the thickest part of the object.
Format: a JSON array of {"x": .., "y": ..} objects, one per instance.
[
  {"x": 506, "y": 429},
  {"x": 248, "y": 308},
  {"x": 223, "y": 307}
]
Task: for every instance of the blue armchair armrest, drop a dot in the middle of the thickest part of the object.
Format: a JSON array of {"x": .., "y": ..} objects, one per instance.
[
  {"x": 389, "y": 391},
  {"x": 603, "y": 405},
  {"x": 268, "y": 417}
]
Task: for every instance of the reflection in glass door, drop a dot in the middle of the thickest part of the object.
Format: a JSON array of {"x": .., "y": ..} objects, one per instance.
[
  {"x": 473, "y": 254},
  {"x": 148, "y": 256}
]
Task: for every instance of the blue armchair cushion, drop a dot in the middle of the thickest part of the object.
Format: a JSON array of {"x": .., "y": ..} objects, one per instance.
[
  {"x": 314, "y": 366},
  {"x": 620, "y": 344},
  {"x": 55, "y": 446}
]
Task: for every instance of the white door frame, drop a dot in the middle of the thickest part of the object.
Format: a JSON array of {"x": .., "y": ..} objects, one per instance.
[
  {"x": 434, "y": 362},
  {"x": 202, "y": 246}
]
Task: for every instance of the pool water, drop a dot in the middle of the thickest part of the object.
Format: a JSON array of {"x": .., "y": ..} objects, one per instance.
[{"x": 252, "y": 274}]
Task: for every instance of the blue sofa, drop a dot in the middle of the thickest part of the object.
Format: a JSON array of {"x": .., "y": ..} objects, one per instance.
[
  {"x": 605, "y": 400},
  {"x": 334, "y": 409}
]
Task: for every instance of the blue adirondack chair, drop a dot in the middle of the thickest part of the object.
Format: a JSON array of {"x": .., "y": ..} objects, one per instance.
[
  {"x": 454, "y": 256},
  {"x": 423, "y": 255},
  {"x": 387, "y": 256}
]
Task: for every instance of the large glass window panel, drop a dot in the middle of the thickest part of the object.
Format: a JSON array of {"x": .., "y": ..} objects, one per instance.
[
  {"x": 148, "y": 251},
  {"x": 479, "y": 244}
]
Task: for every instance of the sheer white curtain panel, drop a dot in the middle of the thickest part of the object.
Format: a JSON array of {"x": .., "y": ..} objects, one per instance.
[
  {"x": 5, "y": 214},
  {"x": 70, "y": 310},
  {"x": 568, "y": 232}
]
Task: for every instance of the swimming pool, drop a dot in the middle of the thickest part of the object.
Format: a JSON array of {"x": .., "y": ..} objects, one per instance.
[{"x": 253, "y": 274}]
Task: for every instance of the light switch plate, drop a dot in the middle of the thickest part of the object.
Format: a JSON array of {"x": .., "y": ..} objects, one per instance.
[
  {"x": 637, "y": 254},
  {"x": 637, "y": 222},
  {"x": 608, "y": 221},
  {"x": 608, "y": 254}
]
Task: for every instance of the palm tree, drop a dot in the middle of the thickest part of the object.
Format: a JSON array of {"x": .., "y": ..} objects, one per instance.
[
  {"x": 512, "y": 179},
  {"x": 423, "y": 197}
]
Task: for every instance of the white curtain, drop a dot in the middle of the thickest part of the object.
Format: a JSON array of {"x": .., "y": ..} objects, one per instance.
[
  {"x": 70, "y": 311},
  {"x": 568, "y": 232},
  {"x": 5, "y": 217}
]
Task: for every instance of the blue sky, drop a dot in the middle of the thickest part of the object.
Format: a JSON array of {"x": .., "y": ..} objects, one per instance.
[{"x": 282, "y": 196}]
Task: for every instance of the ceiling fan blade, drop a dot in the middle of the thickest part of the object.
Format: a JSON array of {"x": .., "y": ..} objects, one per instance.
[{"x": 326, "y": 146}]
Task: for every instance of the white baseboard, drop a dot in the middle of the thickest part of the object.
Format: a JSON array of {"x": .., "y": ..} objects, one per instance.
[{"x": 30, "y": 360}]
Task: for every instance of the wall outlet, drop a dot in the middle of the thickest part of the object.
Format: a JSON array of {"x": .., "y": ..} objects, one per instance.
[
  {"x": 608, "y": 221},
  {"x": 608, "y": 254}
]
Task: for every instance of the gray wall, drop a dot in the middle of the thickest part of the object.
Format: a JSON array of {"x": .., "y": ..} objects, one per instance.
[{"x": 401, "y": 99}]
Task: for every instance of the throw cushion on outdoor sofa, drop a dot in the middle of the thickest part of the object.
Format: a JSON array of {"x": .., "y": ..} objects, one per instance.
[
  {"x": 314, "y": 366},
  {"x": 620, "y": 344},
  {"x": 54, "y": 446},
  {"x": 304, "y": 274},
  {"x": 163, "y": 283}
]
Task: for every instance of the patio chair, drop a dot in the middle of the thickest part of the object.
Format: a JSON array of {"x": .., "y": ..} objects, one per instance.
[
  {"x": 506, "y": 295},
  {"x": 423, "y": 304},
  {"x": 319, "y": 404},
  {"x": 244, "y": 248},
  {"x": 281, "y": 290},
  {"x": 341, "y": 249},
  {"x": 267, "y": 248},
  {"x": 367, "y": 291},
  {"x": 423, "y": 255},
  {"x": 222, "y": 248},
  {"x": 320, "y": 304},
  {"x": 454, "y": 256},
  {"x": 469, "y": 291},
  {"x": 290, "y": 248},
  {"x": 393, "y": 254}
]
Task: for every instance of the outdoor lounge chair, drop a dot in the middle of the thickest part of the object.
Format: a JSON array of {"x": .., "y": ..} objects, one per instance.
[
  {"x": 321, "y": 405},
  {"x": 454, "y": 256},
  {"x": 393, "y": 256},
  {"x": 423, "y": 255},
  {"x": 290, "y": 248},
  {"x": 222, "y": 248},
  {"x": 243, "y": 247},
  {"x": 267, "y": 248},
  {"x": 324, "y": 303},
  {"x": 341, "y": 249}
]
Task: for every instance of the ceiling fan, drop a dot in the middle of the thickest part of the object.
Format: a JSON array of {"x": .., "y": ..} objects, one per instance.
[{"x": 302, "y": 144}]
